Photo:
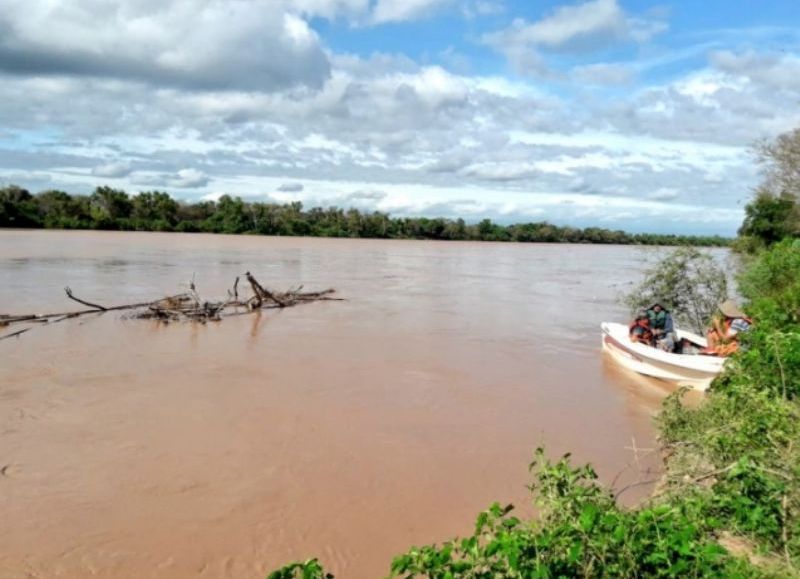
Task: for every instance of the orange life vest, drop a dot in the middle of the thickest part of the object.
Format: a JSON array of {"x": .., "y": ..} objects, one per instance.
[
  {"x": 721, "y": 341},
  {"x": 639, "y": 331}
]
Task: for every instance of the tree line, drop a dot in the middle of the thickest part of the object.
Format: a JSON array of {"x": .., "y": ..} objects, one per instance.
[{"x": 113, "y": 209}]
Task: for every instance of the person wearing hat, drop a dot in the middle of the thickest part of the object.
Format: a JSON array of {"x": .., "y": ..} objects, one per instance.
[
  {"x": 662, "y": 326},
  {"x": 723, "y": 335}
]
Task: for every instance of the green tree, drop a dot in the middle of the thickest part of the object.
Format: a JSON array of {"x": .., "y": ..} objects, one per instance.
[
  {"x": 769, "y": 218},
  {"x": 354, "y": 222},
  {"x": 688, "y": 282},
  {"x": 375, "y": 225},
  {"x": 17, "y": 208},
  {"x": 108, "y": 207},
  {"x": 267, "y": 219},
  {"x": 232, "y": 215},
  {"x": 456, "y": 230},
  {"x": 154, "y": 209},
  {"x": 774, "y": 213}
]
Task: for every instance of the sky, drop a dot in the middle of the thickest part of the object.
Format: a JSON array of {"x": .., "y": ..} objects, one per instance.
[{"x": 625, "y": 114}]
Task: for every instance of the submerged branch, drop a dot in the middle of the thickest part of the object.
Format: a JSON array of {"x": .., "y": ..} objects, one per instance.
[
  {"x": 80, "y": 301},
  {"x": 181, "y": 307},
  {"x": 14, "y": 334}
]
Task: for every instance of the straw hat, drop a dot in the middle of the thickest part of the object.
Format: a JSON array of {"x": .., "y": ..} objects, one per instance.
[{"x": 730, "y": 310}]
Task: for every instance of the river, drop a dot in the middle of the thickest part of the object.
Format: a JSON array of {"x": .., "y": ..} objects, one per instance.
[{"x": 345, "y": 430}]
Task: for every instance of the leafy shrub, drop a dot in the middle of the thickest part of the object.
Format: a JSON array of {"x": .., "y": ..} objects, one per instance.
[
  {"x": 310, "y": 569},
  {"x": 581, "y": 532},
  {"x": 770, "y": 357},
  {"x": 688, "y": 282},
  {"x": 749, "y": 501},
  {"x": 745, "y": 441},
  {"x": 771, "y": 284}
]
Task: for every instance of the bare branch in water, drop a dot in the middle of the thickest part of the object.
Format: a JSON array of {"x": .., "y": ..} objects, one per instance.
[{"x": 181, "y": 307}]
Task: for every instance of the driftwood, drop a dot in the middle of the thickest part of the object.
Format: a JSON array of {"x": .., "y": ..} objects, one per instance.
[{"x": 187, "y": 306}]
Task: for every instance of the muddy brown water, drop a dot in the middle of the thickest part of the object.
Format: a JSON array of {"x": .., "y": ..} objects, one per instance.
[{"x": 345, "y": 430}]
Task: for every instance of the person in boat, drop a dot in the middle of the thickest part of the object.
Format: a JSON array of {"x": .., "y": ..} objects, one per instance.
[
  {"x": 662, "y": 327},
  {"x": 639, "y": 330},
  {"x": 723, "y": 335}
]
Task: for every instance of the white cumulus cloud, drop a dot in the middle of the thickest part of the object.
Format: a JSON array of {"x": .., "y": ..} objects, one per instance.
[
  {"x": 583, "y": 27},
  {"x": 194, "y": 44}
]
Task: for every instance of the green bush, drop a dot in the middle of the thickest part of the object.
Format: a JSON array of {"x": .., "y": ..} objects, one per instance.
[
  {"x": 770, "y": 357},
  {"x": 688, "y": 282},
  {"x": 310, "y": 569},
  {"x": 744, "y": 441},
  {"x": 581, "y": 532}
]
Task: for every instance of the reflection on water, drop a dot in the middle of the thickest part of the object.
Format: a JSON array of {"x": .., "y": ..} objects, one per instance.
[{"x": 345, "y": 430}]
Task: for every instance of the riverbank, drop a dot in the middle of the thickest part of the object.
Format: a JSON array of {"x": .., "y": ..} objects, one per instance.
[{"x": 114, "y": 209}]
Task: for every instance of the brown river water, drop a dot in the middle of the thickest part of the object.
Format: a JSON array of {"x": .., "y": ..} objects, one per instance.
[{"x": 344, "y": 430}]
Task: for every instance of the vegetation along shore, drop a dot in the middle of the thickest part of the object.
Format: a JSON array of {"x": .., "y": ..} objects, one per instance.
[
  {"x": 113, "y": 209},
  {"x": 728, "y": 503}
]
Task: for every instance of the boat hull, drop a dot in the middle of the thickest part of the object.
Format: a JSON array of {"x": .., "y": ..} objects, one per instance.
[{"x": 685, "y": 370}]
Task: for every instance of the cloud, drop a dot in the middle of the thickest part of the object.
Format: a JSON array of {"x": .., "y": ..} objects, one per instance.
[
  {"x": 706, "y": 106},
  {"x": 604, "y": 74},
  {"x": 664, "y": 194},
  {"x": 332, "y": 9},
  {"x": 403, "y": 10},
  {"x": 366, "y": 196},
  {"x": 778, "y": 71},
  {"x": 112, "y": 170},
  {"x": 387, "y": 132},
  {"x": 336, "y": 195},
  {"x": 449, "y": 163},
  {"x": 465, "y": 208},
  {"x": 190, "y": 178},
  {"x": 501, "y": 171},
  {"x": 290, "y": 187},
  {"x": 26, "y": 178},
  {"x": 191, "y": 44},
  {"x": 577, "y": 28},
  {"x": 580, "y": 26},
  {"x": 183, "y": 179},
  {"x": 482, "y": 8}
]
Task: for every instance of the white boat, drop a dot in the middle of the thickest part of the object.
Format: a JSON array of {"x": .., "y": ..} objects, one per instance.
[{"x": 696, "y": 371}]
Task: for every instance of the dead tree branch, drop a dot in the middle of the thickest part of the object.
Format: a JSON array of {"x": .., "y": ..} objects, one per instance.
[
  {"x": 80, "y": 301},
  {"x": 14, "y": 334},
  {"x": 262, "y": 293},
  {"x": 181, "y": 307}
]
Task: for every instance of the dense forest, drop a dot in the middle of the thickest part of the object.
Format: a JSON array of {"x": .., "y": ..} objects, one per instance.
[{"x": 113, "y": 209}]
